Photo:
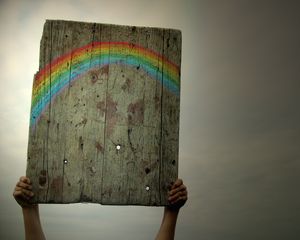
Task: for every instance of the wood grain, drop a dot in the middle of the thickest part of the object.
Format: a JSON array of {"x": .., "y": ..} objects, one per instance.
[{"x": 105, "y": 120}]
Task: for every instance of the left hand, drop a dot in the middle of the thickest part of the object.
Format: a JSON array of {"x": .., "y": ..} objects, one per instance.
[{"x": 178, "y": 195}]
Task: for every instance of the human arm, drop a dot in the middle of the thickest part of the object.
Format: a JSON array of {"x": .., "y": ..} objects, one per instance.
[
  {"x": 177, "y": 197},
  {"x": 22, "y": 194}
]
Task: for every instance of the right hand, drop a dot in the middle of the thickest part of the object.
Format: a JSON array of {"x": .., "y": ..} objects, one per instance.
[{"x": 23, "y": 193}]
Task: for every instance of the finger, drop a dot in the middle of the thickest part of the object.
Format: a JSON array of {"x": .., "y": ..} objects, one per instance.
[
  {"x": 17, "y": 193},
  {"x": 178, "y": 189},
  {"x": 177, "y": 195},
  {"x": 25, "y": 180},
  {"x": 28, "y": 180},
  {"x": 27, "y": 192},
  {"x": 20, "y": 196},
  {"x": 22, "y": 179},
  {"x": 24, "y": 185},
  {"x": 177, "y": 183},
  {"x": 18, "y": 189},
  {"x": 182, "y": 199}
]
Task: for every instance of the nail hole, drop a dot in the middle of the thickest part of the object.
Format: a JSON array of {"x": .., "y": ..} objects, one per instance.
[
  {"x": 147, "y": 188},
  {"x": 173, "y": 162},
  {"x": 118, "y": 147},
  {"x": 147, "y": 170}
]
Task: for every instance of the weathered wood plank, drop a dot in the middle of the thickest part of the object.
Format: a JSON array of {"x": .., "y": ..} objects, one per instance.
[
  {"x": 105, "y": 114},
  {"x": 170, "y": 116}
]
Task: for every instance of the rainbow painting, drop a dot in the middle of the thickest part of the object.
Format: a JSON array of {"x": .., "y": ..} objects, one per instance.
[{"x": 63, "y": 70}]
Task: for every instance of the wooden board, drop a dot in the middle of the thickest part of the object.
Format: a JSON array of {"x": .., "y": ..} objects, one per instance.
[{"x": 104, "y": 122}]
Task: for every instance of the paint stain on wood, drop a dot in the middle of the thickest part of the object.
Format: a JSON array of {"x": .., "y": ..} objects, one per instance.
[
  {"x": 104, "y": 70},
  {"x": 57, "y": 184},
  {"x": 101, "y": 106},
  {"x": 43, "y": 178},
  {"x": 127, "y": 85},
  {"x": 99, "y": 147},
  {"x": 111, "y": 114},
  {"x": 136, "y": 112}
]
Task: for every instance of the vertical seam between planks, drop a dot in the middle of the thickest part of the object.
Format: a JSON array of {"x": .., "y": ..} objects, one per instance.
[
  {"x": 143, "y": 129},
  {"x": 161, "y": 121},
  {"x": 64, "y": 149},
  {"x": 104, "y": 140},
  {"x": 43, "y": 152},
  {"x": 48, "y": 122},
  {"x": 93, "y": 39},
  {"x": 67, "y": 125},
  {"x": 100, "y": 199}
]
